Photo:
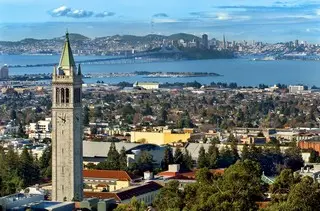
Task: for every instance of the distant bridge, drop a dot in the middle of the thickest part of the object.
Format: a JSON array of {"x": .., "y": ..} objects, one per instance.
[{"x": 134, "y": 58}]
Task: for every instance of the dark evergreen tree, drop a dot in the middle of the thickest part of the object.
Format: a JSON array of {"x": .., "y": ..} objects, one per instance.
[
  {"x": 213, "y": 156},
  {"x": 187, "y": 163},
  {"x": 167, "y": 158},
  {"x": 178, "y": 156},
  {"x": 202, "y": 158},
  {"x": 123, "y": 159},
  {"x": 28, "y": 171}
]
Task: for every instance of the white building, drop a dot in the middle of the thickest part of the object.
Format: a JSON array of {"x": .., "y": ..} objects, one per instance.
[
  {"x": 147, "y": 85},
  {"x": 39, "y": 130},
  {"x": 10, "y": 128},
  {"x": 296, "y": 89}
]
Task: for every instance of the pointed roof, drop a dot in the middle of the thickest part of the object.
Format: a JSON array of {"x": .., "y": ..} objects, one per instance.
[{"x": 66, "y": 60}]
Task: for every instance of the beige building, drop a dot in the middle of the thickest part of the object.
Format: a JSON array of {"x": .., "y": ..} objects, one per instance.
[
  {"x": 107, "y": 180},
  {"x": 159, "y": 138},
  {"x": 67, "y": 160},
  {"x": 146, "y": 85}
]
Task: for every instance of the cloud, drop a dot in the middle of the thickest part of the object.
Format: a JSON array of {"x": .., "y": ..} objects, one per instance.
[
  {"x": 104, "y": 14},
  {"x": 65, "y": 11},
  {"x": 221, "y": 16},
  {"x": 165, "y": 20},
  {"x": 160, "y": 15}
]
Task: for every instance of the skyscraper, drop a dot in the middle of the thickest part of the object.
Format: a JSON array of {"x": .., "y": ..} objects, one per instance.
[
  {"x": 4, "y": 72},
  {"x": 224, "y": 42},
  {"x": 67, "y": 179},
  {"x": 205, "y": 41}
]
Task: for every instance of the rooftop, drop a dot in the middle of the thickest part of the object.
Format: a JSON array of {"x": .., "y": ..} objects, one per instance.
[
  {"x": 127, "y": 193},
  {"x": 108, "y": 174}
]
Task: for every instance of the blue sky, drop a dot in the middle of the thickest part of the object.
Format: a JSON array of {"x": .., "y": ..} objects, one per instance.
[{"x": 260, "y": 20}]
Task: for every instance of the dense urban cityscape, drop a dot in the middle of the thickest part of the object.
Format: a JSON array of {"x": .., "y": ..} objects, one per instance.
[
  {"x": 160, "y": 106},
  {"x": 130, "y": 44}
]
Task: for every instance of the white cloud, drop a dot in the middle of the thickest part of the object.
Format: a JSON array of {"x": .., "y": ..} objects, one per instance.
[
  {"x": 65, "y": 11},
  {"x": 164, "y": 20}
]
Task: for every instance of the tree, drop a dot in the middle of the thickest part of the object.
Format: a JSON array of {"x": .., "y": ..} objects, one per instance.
[
  {"x": 202, "y": 158},
  {"x": 245, "y": 154},
  {"x": 167, "y": 158},
  {"x": 45, "y": 163},
  {"x": 28, "y": 170},
  {"x": 178, "y": 156},
  {"x": 170, "y": 197},
  {"x": 148, "y": 110},
  {"x": 13, "y": 114},
  {"x": 213, "y": 156},
  {"x": 282, "y": 185},
  {"x": 112, "y": 161},
  {"x": 123, "y": 159},
  {"x": 314, "y": 156},
  {"x": 187, "y": 163},
  {"x": 134, "y": 205},
  {"x": 144, "y": 163},
  {"x": 304, "y": 195},
  {"x": 293, "y": 159}
]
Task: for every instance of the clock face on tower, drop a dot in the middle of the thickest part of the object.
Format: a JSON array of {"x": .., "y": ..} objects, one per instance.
[{"x": 62, "y": 118}]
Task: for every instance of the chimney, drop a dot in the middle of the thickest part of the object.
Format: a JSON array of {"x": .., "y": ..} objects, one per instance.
[
  {"x": 174, "y": 168},
  {"x": 147, "y": 175}
]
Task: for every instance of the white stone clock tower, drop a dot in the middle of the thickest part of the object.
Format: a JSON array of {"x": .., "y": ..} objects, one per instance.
[{"x": 67, "y": 179}]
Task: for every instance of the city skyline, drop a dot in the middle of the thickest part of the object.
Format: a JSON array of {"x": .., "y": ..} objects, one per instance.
[{"x": 239, "y": 20}]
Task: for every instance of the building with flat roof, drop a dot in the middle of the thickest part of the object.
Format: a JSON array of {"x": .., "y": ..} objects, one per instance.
[
  {"x": 147, "y": 85},
  {"x": 159, "y": 138},
  {"x": 145, "y": 192}
]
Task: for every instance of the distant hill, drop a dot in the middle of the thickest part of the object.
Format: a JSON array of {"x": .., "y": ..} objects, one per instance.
[
  {"x": 184, "y": 36},
  {"x": 152, "y": 37},
  {"x": 123, "y": 38},
  {"x": 74, "y": 37}
]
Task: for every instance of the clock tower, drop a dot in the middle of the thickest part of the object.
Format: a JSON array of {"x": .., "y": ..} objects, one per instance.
[{"x": 67, "y": 179}]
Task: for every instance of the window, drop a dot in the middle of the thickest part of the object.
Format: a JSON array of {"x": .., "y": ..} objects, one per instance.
[
  {"x": 57, "y": 95},
  {"x": 67, "y": 95},
  {"x": 62, "y": 95}
]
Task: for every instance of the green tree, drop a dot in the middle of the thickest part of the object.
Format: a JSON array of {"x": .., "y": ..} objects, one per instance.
[
  {"x": 170, "y": 197},
  {"x": 167, "y": 158},
  {"x": 202, "y": 158},
  {"x": 134, "y": 205},
  {"x": 144, "y": 163},
  {"x": 282, "y": 185},
  {"x": 112, "y": 161},
  {"x": 293, "y": 159},
  {"x": 187, "y": 163},
  {"x": 178, "y": 156},
  {"x": 147, "y": 110},
  {"x": 123, "y": 159},
  {"x": 28, "y": 170},
  {"x": 45, "y": 163},
  {"x": 314, "y": 156},
  {"x": 213, "y": 156}
]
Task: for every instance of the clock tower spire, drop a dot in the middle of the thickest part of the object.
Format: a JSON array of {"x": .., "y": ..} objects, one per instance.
[{"x": 67, "y": 179}]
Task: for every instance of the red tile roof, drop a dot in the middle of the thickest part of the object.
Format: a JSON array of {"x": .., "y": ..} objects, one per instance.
[
  {"x": 191, "y": 175},
  {"x": 126, "y": 193},
  {"x": 108, "y": 174}
]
